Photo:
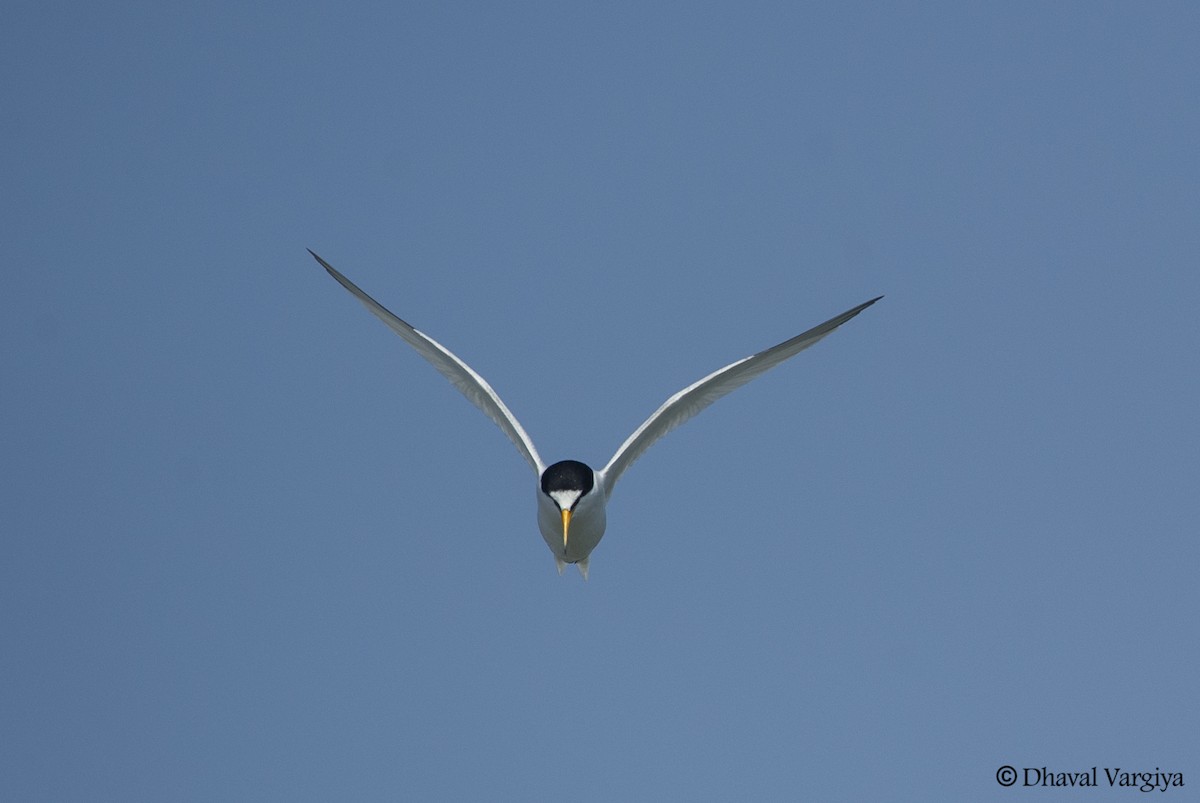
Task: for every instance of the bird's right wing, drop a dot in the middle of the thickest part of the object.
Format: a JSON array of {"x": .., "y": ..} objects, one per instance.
[
  {"x": 469, "y": 383},
  {"x": 694, "y": 398}
]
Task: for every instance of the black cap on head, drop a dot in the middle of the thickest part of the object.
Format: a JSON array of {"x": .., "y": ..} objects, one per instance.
[{"x": 568, "y": 475}]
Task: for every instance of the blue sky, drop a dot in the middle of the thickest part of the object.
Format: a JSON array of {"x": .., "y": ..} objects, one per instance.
[{"x": 252, "y": 547}]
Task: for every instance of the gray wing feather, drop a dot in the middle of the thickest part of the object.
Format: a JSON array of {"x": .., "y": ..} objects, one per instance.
[
  {"x": 469, "y": 383},
  {"x": 694, "y": 398}
]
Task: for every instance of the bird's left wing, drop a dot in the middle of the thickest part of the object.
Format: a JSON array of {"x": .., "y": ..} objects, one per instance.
[
  {"x": 694, "y": 398},
  {"x": 469, "y": 383}
]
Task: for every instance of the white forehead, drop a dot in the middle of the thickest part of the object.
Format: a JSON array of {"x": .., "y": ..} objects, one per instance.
[{"x": 566, "y": 499}]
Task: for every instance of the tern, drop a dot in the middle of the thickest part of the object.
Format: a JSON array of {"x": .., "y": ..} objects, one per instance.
[{"x": 571, "y": 496}]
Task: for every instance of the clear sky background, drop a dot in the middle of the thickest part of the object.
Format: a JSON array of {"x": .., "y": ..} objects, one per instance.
[{"x": 253, "y": 548}]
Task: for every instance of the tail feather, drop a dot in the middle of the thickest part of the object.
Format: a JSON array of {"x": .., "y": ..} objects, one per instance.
[{"x": 583, "y": 566}]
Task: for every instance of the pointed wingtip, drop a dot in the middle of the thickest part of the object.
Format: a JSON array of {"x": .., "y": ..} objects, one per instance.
[
  {"x": 561, "y": 564},
  {"x": 850, "y": 313},
  {"x": 583, "y": 567},
  {"x": 342, "y": 280},
  {"x": 323, "y": 263}
]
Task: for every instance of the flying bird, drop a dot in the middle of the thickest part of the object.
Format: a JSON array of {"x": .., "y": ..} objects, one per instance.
[{"x": 571, "y": 496}]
